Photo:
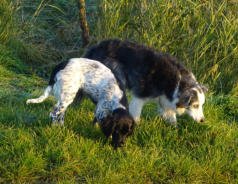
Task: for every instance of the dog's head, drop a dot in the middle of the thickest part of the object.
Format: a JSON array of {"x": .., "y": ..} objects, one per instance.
[
  {"x": 119, "y": 125},
  {"x": 191, "y": 102}
]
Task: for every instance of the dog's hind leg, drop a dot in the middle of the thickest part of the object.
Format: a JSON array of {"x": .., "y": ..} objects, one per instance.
[
  {"x": 59, "y": 111},
  {"x": 61, "y": 118},
  {"x": 53, "y": 114}
]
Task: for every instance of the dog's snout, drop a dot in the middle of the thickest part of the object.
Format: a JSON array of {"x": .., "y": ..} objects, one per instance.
[{"x": 202, "y": 120}]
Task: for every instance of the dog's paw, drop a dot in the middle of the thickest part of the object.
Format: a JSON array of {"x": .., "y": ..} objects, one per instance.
[
  {"x": 136, "y": 119},
  {"x": 53, "y": 116},
  {"x": 171, "y": 118},
  {"x": 173, "y": 124}
]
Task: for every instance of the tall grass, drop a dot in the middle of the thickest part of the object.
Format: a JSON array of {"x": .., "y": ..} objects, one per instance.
[
  {"x": 202, "y": 34},
  {"x": 7, "y": 22},
  {"x": 41, "y": 32},
  {"x": 52, "y": 26}
]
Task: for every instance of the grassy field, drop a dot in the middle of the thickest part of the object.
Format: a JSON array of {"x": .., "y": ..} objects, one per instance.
[{"x": 202, "y": 34}]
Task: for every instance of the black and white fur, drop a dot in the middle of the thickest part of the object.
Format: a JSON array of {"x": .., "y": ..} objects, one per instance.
[
  {"x": 80, "y": 75},
  {"x": 152, "y": 76}
]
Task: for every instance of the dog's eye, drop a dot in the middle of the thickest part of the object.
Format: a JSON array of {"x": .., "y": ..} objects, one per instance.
[{"x": 195, "y": 106}]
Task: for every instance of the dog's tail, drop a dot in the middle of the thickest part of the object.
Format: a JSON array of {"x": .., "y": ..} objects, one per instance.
[{"x": 46, "y": 94}]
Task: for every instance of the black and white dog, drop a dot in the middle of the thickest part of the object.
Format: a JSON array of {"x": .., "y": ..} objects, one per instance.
[
  {"x": 80, "y": 75},
  {"x": 152, "y": 76}
]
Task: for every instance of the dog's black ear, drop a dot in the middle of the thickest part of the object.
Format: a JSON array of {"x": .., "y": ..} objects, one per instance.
[
  {"x": 123, "y": 121},
  {"x": 204, "y": 88},
  {"x": 107, "y": 126},
  {"x": 131, "y": 129},
  {"x": 184, "y": 100}
]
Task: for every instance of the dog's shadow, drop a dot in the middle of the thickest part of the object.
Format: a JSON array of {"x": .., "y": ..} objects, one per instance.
[
  {"x": 79, "y": 119},
  {"x": 187, "y": 129}
]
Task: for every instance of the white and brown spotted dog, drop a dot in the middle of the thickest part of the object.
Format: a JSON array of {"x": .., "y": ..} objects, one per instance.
[
  {"x": 80, "y": 75},
  {"x": 152, "y": 76}
]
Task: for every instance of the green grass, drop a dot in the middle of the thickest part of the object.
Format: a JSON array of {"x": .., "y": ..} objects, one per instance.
[
  {"x": 33, "y": 151},
  {"x": 203, "y": 34}
]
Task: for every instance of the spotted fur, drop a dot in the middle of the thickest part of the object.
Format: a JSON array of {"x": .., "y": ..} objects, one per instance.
[{"x": 80, "y": 75}]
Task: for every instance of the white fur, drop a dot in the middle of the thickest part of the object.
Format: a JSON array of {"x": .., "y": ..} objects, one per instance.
[
  {"x": 197, "y": 113},
  {"x": 42, "y": 97},
  {"x": 167, "y": 109},
  {"x": 135, "y": 107}
]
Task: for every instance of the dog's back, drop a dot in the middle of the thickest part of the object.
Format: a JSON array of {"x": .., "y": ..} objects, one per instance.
[
  {"x": 81, "y": 73},
  {"x": 146, "y": 71}
]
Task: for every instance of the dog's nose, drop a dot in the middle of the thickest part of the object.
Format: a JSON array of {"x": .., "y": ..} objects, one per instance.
[{"x": 202, "y": 120}]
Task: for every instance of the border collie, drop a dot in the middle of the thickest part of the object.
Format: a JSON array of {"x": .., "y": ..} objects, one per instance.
[
  {"x": 152, "y": 76},
  {"x": 79, "y": 75}
]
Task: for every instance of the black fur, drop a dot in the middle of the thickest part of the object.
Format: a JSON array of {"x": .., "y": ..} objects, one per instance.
[
  {"x": 187, "y": 98},
  {"x": 56, "y": 69},
  {"x": 145, "y": 71},
  {"x": 119, "y": 125}
]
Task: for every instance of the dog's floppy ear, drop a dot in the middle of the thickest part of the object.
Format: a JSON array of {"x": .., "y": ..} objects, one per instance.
[
  {"x": 107, "y": 126},
  {"x": 204, "y": 88},
  {"x": 132, "y": 127},
  {"x": 124, "y": 121},
  {"x": 184, "y": 99}
]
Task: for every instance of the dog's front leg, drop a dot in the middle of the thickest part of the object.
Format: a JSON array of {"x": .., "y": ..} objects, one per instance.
[
  {"x": 135, "y": 107},
  {"x": 95, "y": 122},
  {"x": 168, "y": 114}
]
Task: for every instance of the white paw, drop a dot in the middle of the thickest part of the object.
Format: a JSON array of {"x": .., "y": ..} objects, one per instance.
[
  {"x": 171, "y": 117},
  {"x": 136, "y": 119}
]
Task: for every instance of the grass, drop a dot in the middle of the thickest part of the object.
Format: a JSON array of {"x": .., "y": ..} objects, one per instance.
[
  {"x": 202, "y": 34},
  {"x": 34, "y": 151}
]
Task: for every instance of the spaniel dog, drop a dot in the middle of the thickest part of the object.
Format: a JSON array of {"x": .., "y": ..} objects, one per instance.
[{"x": 81, "y": 75}]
